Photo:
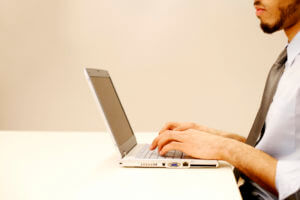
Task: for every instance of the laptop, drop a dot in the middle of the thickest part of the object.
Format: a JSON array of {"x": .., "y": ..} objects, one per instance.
[{"x": 132, "y": 153}]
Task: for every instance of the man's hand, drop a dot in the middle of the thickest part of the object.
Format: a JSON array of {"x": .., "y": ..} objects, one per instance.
[
  {"x": 182, "y": 126},
  {"x": 192, "y": 142},
  {"x": 179, "y": 126},
  {"x": 256, "y": 164}
]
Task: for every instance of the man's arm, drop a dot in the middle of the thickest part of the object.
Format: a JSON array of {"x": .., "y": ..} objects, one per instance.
[{"x": 257, "y": 165}]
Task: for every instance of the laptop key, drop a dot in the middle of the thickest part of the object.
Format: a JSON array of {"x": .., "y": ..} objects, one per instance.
[
  {"x": 143, "y": 152},
  {"x": 154, "y": 155},
  {"x": 177, "y": 154},
  {"x": 148, "y": 154},
  {"x": 172, "y": 153}
]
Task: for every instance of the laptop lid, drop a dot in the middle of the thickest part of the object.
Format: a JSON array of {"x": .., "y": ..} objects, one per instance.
[{"x": 110, "y": 105}]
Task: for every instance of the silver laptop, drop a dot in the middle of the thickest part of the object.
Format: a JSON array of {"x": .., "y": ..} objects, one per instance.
[{"x": 132, "y": 153}]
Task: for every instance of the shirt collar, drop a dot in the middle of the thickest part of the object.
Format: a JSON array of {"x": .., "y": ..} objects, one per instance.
[{"x": 293, "y": 49}]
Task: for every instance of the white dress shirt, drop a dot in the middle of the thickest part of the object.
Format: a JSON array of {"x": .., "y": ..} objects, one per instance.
[{"x": 281, "y": 139}]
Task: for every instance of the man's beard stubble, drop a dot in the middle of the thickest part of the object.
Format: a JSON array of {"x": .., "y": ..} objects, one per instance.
[
  {"x": 273, "y": 28},
  {"x": 285, "y": 14}
]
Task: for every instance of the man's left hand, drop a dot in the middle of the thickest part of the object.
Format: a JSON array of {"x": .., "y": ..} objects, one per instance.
[{"x": 197, "y": 144}]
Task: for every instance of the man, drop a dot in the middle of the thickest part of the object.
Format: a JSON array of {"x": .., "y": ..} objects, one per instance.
[{"x": 271, "y": 168}]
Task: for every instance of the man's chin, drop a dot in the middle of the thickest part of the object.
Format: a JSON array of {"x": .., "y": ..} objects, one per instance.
[{"x": 269, "y": 28}]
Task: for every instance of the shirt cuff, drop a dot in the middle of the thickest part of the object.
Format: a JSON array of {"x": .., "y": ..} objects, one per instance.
[{"x": 287, "y": 178}]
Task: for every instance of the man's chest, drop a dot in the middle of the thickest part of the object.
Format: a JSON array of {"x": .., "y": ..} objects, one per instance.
[{"x": 283, "y": 119}]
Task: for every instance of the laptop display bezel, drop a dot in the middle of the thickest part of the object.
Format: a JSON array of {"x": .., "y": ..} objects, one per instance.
[{"x": 130, "y": 142}]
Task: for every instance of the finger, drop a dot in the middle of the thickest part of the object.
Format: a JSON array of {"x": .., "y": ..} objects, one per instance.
[
  {"x": 166, "y": 133},
  {"x": 180, "y": 128},
  {"x": 155, "y": 141},
  {"x": 167, "y": 138},
  {"x": 172, "y": 146},
  {"x": 168, "y": 126},
  {"x": 184, "y": 126}
]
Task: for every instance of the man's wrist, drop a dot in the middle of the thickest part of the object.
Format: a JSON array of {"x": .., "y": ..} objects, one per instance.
[{"x": 225, "y": 149}]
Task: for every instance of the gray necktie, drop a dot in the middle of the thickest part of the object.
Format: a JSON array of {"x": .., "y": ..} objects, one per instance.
[{"x": 269, "y": 91}]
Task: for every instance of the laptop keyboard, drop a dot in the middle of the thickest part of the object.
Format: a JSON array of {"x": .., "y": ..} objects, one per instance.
[{"x": 145, "y": 153}]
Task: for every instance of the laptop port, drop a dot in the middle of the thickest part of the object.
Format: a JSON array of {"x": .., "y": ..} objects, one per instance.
[
  {"x": 164, "y": 164},
  {"x": 185, "y": 164},
  {"x": 174, "y": 164},
  {"x": 202, "y": 165}
]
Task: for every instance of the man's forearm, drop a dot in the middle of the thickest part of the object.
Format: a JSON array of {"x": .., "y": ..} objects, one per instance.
[{"x": 257, "y": 165}]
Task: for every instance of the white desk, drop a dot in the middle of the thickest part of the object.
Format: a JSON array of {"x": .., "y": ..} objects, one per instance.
[{"x": 83, "y": 166}]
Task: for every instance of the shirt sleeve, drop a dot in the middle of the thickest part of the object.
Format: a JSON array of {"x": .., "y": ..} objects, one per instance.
[{"x": 287, "y": 178}]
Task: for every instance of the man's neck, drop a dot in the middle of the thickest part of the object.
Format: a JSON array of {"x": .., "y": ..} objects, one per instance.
[{"x": 291, "y": 31}]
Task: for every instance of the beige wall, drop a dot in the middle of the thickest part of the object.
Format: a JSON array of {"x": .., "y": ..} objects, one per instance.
[{"x": 192, "y": 60}]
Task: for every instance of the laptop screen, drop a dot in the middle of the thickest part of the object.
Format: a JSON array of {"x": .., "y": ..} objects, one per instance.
[{"x": 112, "y": 108}]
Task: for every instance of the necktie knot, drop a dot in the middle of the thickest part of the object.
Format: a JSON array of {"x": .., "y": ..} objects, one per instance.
[{"x": 282, "y": 58}]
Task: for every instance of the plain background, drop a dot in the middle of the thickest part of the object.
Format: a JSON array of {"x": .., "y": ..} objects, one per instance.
[{"x": 171, "y": 60}]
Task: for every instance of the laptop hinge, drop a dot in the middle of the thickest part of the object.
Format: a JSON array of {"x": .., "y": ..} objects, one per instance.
[{"x": 126, "y": 153}]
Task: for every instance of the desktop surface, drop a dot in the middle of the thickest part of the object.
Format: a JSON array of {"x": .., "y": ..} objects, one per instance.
[{"x": 84, "y": 166}]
